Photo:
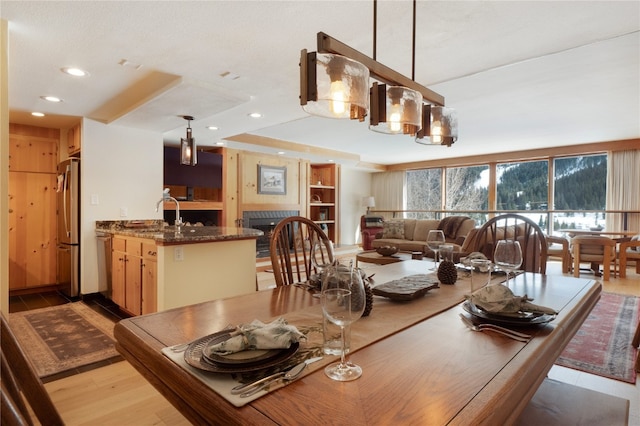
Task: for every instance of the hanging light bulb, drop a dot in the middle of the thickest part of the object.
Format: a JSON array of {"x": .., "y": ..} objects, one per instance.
[
  {"x": 439, "y": 126},
  {"x": 395, "y": 109},
  {"x": 333, "y": 86},
  {"x": 188, "y": 152}
]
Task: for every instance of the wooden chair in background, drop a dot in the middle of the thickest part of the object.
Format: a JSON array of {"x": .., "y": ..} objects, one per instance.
[
  {"x": 21, "y": 386},
  {"x": 559, "y": 247},
  {"x": 596, "y": 250},
  {"x": 629, "y": 250},
  {"x": 290, "y": 249},
  {"x": 511, "y": 226}
]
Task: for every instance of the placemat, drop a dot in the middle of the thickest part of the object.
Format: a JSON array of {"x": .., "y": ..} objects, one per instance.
[{"x": 386, "y": 318}]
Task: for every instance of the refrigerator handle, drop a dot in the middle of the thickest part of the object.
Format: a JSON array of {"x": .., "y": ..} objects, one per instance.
[{"x": 64, "y": 197}]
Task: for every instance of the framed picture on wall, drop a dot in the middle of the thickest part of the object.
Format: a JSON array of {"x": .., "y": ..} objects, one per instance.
[
  {"x": 323, "y": 214},
  {"x": 272, "y": 180}
]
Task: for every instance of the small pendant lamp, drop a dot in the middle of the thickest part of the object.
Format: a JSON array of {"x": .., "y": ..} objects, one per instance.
[
  {"x": 188, "y": 153},
  {"x": 333, "y": 86},
  {"x": 439, "y": 126},
  {"x": 395, "y": 109}
]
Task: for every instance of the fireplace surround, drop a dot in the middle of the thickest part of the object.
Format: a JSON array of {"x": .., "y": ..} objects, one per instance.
[{"x": 265, "y": 221}]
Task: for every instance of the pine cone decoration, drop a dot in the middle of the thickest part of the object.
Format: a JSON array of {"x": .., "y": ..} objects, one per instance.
[
  {"x": 369, "y": 305},
  {"x": 447, "y": 272}
]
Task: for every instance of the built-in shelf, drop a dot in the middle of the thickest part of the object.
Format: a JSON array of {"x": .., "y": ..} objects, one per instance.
[{"x": 323, "y": 201}]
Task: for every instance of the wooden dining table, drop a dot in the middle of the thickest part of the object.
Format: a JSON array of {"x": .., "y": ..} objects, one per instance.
[
  {"x": 615, "y": 235},
  {"x": 433, "y": 371}
]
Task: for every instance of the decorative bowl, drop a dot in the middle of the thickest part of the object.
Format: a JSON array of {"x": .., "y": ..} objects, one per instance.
[{"x": 387, "y": 250}]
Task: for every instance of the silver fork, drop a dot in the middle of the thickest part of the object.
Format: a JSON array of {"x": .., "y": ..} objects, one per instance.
[{"x": 515, "y": 335}]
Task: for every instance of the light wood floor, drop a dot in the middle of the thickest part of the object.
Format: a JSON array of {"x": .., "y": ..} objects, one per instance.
[{"x": 118, "y": 395}]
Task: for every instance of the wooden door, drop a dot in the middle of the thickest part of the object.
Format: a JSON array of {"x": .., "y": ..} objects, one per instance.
[{"x": 32, "y": 229}]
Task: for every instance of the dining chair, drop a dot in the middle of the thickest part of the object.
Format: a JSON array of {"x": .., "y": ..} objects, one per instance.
[
  {"x": 629, "y": 250},
  {"x": 290, "y": 247},
  {"x": 558, "y": 247},
  {"x": 596, "y": 250},
  {"x": 511, "y": 226},
  {"x": 21, "y": 386}
]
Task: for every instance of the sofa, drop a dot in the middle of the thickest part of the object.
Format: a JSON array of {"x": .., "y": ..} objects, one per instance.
[{"x": 411, "y": 234}]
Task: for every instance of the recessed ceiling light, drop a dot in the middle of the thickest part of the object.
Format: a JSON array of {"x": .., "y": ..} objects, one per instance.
[
  {"x": 331, "y": 161},
  {"x": 129, "y": 64},
  {"x": 255, "y": 115},
  {"x": 220, "y": 143},
  {"x": 76, "y": 72},
  {"x": 51, "y": 98},
  {"x": 37, "y": 114},
  {"x": 213, "y": 127},
  {"x": 280, "y": 152}
]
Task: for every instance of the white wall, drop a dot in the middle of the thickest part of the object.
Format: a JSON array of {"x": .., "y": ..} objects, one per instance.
[
  {"x": 123, "y": 167},
  {"x": 354, "y": 184}
]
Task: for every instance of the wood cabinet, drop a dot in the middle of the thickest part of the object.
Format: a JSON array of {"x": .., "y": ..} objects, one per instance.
[
  {"x": 324, "y": 193},
  {"x": 74, "y": 140},
  {"x": 33, "y": 153},
  {"x": 134, "y": 269}
]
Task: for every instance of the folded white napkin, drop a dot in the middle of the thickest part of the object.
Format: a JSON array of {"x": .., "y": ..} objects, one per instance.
[
  {"x": 258, "y": 335},
  {"x": 500, "y": 299}
]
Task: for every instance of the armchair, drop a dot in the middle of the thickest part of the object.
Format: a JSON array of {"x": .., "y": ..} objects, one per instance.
[{"x": 369, "y": 227}]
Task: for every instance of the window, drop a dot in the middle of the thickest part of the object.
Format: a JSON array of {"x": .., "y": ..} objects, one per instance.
[
  {"x": 522, "y": 186},
  {"x": 424, "y": 192},
  {"x": 467, "y": 188},
  {"x": 580, "y": 185}
]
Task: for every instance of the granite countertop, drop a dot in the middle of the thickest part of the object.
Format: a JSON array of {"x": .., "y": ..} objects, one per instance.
[{"x": 162, "y": 234}]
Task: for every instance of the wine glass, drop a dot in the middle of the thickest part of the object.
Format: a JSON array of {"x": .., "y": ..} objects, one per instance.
[
  {"x": 434, "y": 240},
  {"x": 321, "y": 254},
  {"x": 508, "y": 256},
  {"x": 343, "y": 301}
]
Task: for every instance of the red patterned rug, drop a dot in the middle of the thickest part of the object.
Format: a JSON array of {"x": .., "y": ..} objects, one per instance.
[
  {"x": 602, "y": 345},
  {"x": 64, "y": 337}
]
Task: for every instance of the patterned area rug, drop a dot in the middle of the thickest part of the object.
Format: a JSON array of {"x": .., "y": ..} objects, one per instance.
[
  {"x": 602, "y": 345},
  {"x": 64, "y": 337}
]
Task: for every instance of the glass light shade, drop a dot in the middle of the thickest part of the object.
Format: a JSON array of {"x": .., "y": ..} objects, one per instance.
[
  {"x": 188, "y": 151},
  {"x": 440, "y": 126},
  {"x": 341, "y": 86},
  {"x": 402, "y": 111}
]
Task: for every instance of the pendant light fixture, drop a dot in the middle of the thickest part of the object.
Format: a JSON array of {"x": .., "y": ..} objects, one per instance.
[
  {"x": 188, "y": 153},
  {"x": 333, "y": 86},
  {"x": 334, "y": 82},
  {"x": 439, "y": 126}
]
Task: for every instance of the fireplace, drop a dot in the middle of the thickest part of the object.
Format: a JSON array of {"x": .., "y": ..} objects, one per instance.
[{"x": 265, "y": 221}]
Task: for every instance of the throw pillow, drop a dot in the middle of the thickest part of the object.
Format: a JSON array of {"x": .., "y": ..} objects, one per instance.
[
  {"x": 393, "y": 229},
  {"x": 635, "y": 238}
]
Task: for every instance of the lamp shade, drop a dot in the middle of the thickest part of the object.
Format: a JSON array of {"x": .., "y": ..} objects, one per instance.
[
  {"x": 440, "y": 126},
  {"x": 368, "y": 202},
  {"x": 188, "y": 152},
  {"x": 395, "y": 109},
  {"x": 333, "y": 86}
]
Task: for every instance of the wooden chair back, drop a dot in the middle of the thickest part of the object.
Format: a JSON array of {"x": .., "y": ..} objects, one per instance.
[
  {"x": 511, "y": 226},
  {"x": 21, "y": 386},
  {"x": 596, "y": 250},
  {"x": 290, "y": 249}
]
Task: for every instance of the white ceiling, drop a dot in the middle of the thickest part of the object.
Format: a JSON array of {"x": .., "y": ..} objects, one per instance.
[{"x": 521, "y": 74}]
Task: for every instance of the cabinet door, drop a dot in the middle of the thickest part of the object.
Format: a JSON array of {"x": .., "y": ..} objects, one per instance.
[
  {"x": 118, "y": 277},
  {"x": 149, "y": 286},
  {"x": 149, "y": 277},
  {"x": 133, "y": 284}
]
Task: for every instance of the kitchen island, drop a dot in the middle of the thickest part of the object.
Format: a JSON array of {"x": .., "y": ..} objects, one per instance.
[{"x": 155, "y": 268}]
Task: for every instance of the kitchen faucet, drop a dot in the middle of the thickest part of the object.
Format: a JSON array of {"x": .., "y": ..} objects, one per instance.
[{"x": 167, "y": 197}]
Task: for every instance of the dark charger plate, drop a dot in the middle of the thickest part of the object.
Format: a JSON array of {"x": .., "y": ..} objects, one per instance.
[
  {"x": 195, "y": 357},
  {"x": 519, "y": 318}
]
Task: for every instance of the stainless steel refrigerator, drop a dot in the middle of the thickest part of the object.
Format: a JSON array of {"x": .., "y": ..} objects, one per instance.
[{"x": 68, "y": 212}]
